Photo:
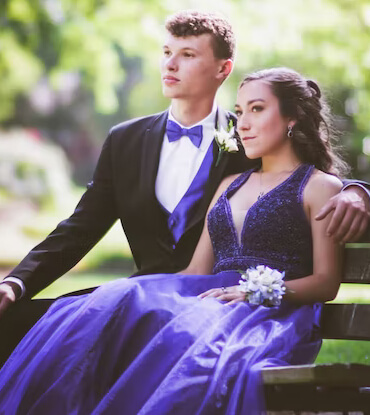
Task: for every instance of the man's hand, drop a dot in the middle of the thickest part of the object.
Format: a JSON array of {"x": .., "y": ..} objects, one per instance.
[
  {"x": 351, "y": 214},
  {"x": 9, "y": 292}
]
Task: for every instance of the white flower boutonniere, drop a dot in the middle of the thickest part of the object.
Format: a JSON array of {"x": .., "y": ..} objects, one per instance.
[
  {"x": 226, "y": 141},
  {"x": 262, "y": 286}
]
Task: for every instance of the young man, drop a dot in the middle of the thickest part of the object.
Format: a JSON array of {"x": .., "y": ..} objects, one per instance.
[{"x": 157, "y": 174}]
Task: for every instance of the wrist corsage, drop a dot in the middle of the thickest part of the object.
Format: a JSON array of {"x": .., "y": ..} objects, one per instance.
[
  {"x": 226, "y": 141},
  {"x": 262, "y": 286}
]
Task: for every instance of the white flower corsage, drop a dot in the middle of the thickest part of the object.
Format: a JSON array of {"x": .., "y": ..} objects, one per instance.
[
  {"x": 226, "y": 141},
  {"x": 262, "y": 286}
]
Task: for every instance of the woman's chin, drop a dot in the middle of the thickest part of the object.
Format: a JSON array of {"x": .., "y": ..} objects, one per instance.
[{"x": 252, "y": 155}]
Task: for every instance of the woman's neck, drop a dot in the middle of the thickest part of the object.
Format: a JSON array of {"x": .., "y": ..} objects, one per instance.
[{"x": 285, "y": 161}]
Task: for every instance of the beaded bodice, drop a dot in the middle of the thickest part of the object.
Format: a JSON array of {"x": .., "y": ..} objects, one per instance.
[{"x": 276, "y": 231}]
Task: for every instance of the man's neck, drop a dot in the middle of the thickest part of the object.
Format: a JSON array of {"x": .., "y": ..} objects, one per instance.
[{"x": 189, "y": 113}]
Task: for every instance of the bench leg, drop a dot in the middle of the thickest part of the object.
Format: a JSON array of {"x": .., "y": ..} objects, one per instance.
[{"x": 17, "y": 321}]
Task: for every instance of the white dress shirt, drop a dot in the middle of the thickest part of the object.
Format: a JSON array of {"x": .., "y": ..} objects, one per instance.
[{"x": 180, "y": 161}]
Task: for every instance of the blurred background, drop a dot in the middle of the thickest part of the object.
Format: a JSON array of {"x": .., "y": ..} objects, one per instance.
[{"x": 70, "y": 69}]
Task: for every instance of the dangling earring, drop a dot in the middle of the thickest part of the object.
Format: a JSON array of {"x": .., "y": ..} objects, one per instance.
[{"x": 290, "y": 131}]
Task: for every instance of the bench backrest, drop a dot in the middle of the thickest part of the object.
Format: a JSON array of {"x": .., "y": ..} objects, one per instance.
[{"x": 350, "y": 321}]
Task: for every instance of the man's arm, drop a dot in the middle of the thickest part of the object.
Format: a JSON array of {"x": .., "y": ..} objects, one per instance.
[
  {"x": 357, "y": 184},
  {"x": 351, "y": 211}
]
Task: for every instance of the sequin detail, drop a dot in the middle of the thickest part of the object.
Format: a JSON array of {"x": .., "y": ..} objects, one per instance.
[{"x": 278, "y": 212}]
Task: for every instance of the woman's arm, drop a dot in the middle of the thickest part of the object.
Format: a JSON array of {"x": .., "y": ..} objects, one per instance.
[
  {"x": 203, "y": 259},
  {"x": 324, "y": 283}
]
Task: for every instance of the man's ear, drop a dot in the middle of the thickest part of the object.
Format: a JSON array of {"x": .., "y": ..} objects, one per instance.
[{"x": 226, "y": 68}]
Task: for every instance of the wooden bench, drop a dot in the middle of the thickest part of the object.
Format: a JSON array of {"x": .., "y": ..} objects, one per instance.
[{"x": 330, "y": 387}]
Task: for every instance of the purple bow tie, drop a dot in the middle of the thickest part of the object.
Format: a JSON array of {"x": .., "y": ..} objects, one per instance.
[{"x": 175, "y": 132}]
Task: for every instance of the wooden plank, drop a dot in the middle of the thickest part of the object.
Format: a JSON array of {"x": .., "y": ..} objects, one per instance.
[
  {"x": 339, "y": 375},
  {"x": 310, "y": 398},
  {"x": 357, "y": 265},
  {"x": 346, "y": 321},
  {"x": 366, "y": 236}
]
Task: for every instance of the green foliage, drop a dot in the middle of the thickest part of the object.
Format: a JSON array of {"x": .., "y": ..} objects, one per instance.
[
  {"x": 84, "y": 37},
  {"x": 344, "y": 351},
  {"x": 115, "y": 47}
]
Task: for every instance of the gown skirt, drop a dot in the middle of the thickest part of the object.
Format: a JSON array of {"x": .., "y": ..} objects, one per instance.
[{"x": 149, "y": 345}]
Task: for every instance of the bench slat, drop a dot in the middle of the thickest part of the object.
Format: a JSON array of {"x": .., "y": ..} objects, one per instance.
[
  {"x": 338, "y": 374},
  {"x": 366, "y": 236},
  {"x": 310, "y": 398},
  {"x": 357, "y": 265},
  {"x": 346, "y": 321}
]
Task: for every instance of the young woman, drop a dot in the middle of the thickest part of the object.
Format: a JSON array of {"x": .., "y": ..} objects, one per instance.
[{"x": 190, "y": 343}]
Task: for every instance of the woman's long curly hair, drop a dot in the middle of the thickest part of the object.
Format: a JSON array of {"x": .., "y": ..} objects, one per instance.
[{"x": 300, "y": 99}]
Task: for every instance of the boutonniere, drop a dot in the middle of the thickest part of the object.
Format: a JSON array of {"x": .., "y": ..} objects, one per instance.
[{"x": 226, "y": 141}]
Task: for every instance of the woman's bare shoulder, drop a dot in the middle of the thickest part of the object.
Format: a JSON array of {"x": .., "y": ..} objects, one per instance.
[{"x": 322, "y": 186}]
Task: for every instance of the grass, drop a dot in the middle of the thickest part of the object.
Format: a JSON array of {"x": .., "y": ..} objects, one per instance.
[
  {"x": 344, "y": 351},
  {"x": 76, "y": 281},
  {"x": 341, "y": 351}
]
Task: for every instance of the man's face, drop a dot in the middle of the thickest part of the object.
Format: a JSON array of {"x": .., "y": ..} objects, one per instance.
[{"x": 189, "y": 69}]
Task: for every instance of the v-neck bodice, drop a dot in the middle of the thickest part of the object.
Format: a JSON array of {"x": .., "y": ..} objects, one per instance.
[{"x": 275, "y": 231}]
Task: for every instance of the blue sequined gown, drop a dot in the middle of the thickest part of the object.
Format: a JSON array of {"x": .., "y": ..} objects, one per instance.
[{"x": 148, "y": 345}]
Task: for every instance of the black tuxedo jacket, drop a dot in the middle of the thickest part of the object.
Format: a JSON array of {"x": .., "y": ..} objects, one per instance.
[{"x": 123, "y": 188}]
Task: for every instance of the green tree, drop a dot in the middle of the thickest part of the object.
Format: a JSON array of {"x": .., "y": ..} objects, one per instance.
[{"x": 113, "y": 47}]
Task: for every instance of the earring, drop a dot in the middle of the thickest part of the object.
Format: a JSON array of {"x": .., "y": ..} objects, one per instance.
[{"x": 290, "y": 131}]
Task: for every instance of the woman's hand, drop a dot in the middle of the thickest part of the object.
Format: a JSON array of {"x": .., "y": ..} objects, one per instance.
[{"x": 231, "y": 295}]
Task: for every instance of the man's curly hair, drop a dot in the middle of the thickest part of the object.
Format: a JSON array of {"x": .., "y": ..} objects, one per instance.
[{"x": 195, "y": 23}]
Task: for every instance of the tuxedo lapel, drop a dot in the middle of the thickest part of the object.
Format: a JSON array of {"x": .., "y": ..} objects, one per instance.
[
  {"x": 216, "y": 173},
  {"x": 151, "y": 148}
]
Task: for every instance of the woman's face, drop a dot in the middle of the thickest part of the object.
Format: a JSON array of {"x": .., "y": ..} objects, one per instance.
[{"x": 261, "y": 127}]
